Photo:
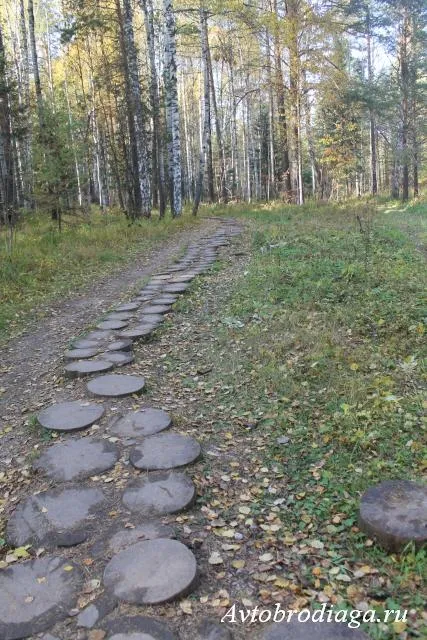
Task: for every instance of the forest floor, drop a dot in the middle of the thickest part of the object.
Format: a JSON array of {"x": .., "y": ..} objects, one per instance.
[{"x": 297, "y": 364}]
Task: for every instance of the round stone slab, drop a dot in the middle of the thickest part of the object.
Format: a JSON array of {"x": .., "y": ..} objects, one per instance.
[
  {"x": 160, "y": 493},
  {"x": 395, "y": 513},
  {"x": 99, "y": 335},
  {"x": 79, "y": 354},
  {"x": 138, "y": 628},
  {"x": 86, "y": 344},
  {"x": 166, "y": 299},
  {"x": 156, "y": 309},
  {"x": 129, "y": 306},
  {"x": 165, "y": 451},
  {"x": 118, "y": 358},
  {"x": 154, "y": 319},
  {"x": 112, "y": 324},
  {"x": 151, "y": 572},
  {"x": 115, "y": 385},
  {"x": 119, "y": 316},
  {"x": 37, "y": 594},
  {"x": 147, "y": 531},
  {"x": 141, "y": 423},
  {"x": 86, "y": 367},
  {"x": 295, "y": 630},
  {"x": 175, "y": 288},
  {"x": 77, "y": 459},
  {"x": 59, "y": 517},
  {"x": 120, "y": 345},
  {"x": 138, "y": 331},
  {"x": 70, "y": 416}
]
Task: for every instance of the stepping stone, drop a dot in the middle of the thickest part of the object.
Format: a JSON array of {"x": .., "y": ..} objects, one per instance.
[
  {"x": 168, "y": 299},
  {"x": 211, "y": 630},
  {"x": 70, "y": 416},
  {"x": 175, "y": 288},
  {"x": 160, "y": 493},
  {"x": 138, "y": 331},
  {"x": 37, "y": 594},
  {"x": 138, "y": 628},
  {"x": 156, "y": 309},
  {"x": 95, "y": 612},
  {"x": 185, "y": 278},
  {"x": 151, "y": 572},
  {"x": 60, "y": 517},
  {"x": 119, "y": 316},
  {"x": 118, "y": 358},
  {"x": 120, "y": 345},
  {"x": 147, "y": 531},
  {"x": 112, "y": 324},
  {"x": 77, "y": 459},
  {"x": 129, "y": 306},
  {"x": 116, "y": 385},
  {"x": 99, "y": 335},
  {"x": 295, "y": 630},
  {"x": 141, "y": 423},
  {"x": 86, "y": 344},
  {"x": 153, "y": 319},
  {"x": 165, "y": 451},
  {"x": 395, "y": 513},
  {"x": 86, "y": 367},
  {"x": 79, "y": 354}
]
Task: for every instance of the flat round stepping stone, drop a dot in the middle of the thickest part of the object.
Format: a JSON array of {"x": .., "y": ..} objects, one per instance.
[
  {"x": 147, "y": 531},
  {"x": 138, "y": 628},
  {"x": 118, "y": 358},
  {"x": 119, "y": 316},
  {"x": 155, "y": 309},
  {"x": 184, "y": 278},
  {"x": 138, "y": 331},
  {"x": 37, "y": 594},
  {"x": 395, "y": 513},
  {"x": 151, "y": 572},
  {"x": 165, "y": 451},
  {"x": 60, "y": 517},
  {"x": 80, "y": 354},
  {"x": 99, "y": 335},
  {"x": 82, "y": 368},
  {"x": 141, "y": 423},
  {"x": 112, "y": 324},
  {"x": 70, "y": 416},
  {"x": 167, "y": 299},
  {"x": 128, "y": 306},
  {"x": 160, "y": 493},
  {"x": 296, "y": 630},
  {"x": 86, "y": 344},
  {"x": 120, "y": 345},
  {"x": 76, "y": 459},
  {"x": 154, "y": 319},
  {"x": 116, "y": 385},
  {"x": 175, "y": 288}
]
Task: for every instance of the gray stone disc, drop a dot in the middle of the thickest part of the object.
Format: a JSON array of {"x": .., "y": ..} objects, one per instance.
[
  {"x": 128, "y": 306},
  {"x": 141, "y": 423},
  {"x": 86, "y": 367},
  {"x": 183, "y": 278},
  {"x": 175, "y": 288},
  {"x": 86, "y": 344},
  {"x": 160, "y": 493},
  {"x": 147, "y": 531},
  {"x": 120, "y": 345},
  {"x": 165, "y": 451},
  {"x": 166, "y": 299},
  {"x": 37, "y": 594},
  {"x": 80, "y": 354},
  {"x": 138, "y": 628},
  {"x": 138, "y": 331},
  {"x": 155, "y": 309},
  {"x": 119, "y": 316},
  {"x": 115, "y": 385},
  {"x": 151, "y": 572},
  {"x": 118, "y": 358},
  {"x": 112, "y": 324},
  {"x": 76, "y": 459},
  {"x": 70, "y": 416},
  {"x": 295, "y": 630},
  {"x": 60, "y": 517},
  {"x": 99, "y": 335},
  {"x": 395, "y": 513},
  {"x": 153, "y": 319}
]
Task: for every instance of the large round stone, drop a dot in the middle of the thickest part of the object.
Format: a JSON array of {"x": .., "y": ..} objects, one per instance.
[
  {"x": 99, "y": 335},
  {"x": 141, "y": 423},
  {"x": 165, "y": 451},
  {"x": 160, "y": 493},
  {"x": 87, "y": 367},
  {"x": 395, "y": 513},
  {"x": 175, "y": 288},
  {"x": 295, "y": 630},
  {"x": 117, "y": 315},
  {"x": 188, "y": 277},
  {"x": 120, "y": 345},
  {"x": 166, "y": 299},
  {"x": 151, "y": 572},
  {"x": 58, "y": 517},
  {"x": 118, "y": 358},
  {"x": 128, "y": 306},
  {"x": 153, "y": 319},
  {"x": 80, "y": 354},
  {"x": 115, "y": 385},
  {"x": 155, "y": 309},
  {"x": 86, "y": 344},
  {"x": 147, "y": 531},
  {"x": 138, "y": 628},
  {"x": 36, "y": 594},
  {"x": 112, "y": 324},
  {"x": 77, "y": 459},
  {"x": 70, "y": 416},
  {"x": 137, "y": 332}
]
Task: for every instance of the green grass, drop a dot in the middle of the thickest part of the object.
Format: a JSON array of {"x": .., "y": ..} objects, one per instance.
[
  {"x": 45, "y": 264},
  {"x": 326, "y": 336}
]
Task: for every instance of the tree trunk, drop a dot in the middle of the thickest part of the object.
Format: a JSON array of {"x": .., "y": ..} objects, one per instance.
[
  {"x": 35, "y": 61},
  {"x": 7, "y": 190},
  {"x": 372, "y": 127},
  {"x": 204, "y": 150}
]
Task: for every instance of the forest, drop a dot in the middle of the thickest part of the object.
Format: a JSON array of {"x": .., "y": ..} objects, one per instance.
[{"x": 145, "y": 105}]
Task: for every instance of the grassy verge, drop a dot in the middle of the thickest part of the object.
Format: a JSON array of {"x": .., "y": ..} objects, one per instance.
[
  {"x": 324, "y": 335},
  {"x": 46, "y": 264}
]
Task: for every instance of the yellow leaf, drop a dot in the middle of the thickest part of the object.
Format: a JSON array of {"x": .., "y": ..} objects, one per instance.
[
  {"x": 238, "y": 564},
  {"x": 281, "y": 583},
  {"x": 354, "y": 366},
  {"x": 399, "y": 626},
  {"x": 68, "y": 567}
]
